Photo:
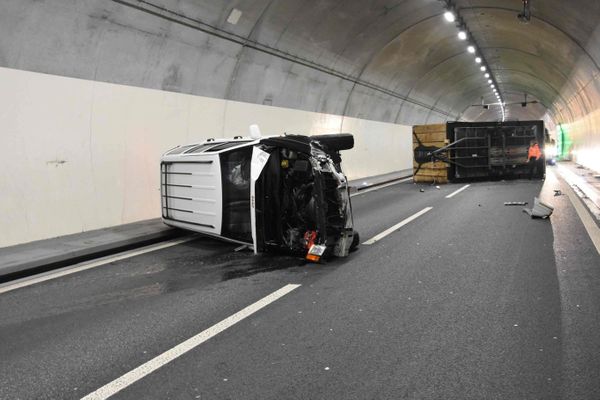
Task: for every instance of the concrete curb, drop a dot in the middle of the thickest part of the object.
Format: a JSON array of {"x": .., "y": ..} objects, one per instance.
[{"x": 25, "y": 264}]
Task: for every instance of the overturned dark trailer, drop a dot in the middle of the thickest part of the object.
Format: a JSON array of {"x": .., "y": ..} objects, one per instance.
[{"x": 458, "y": 151}]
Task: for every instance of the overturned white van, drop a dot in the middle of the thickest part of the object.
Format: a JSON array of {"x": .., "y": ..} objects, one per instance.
[{"x": 285, "y": 192}]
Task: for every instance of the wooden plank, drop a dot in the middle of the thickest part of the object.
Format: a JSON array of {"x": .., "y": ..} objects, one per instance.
[
  {"x": 436, "y": 144},
  {"x": 433, "y": 128},
  {"x": 437, "y": 171},
  {"x": 431, "y": 164},
  {"x": 430, "y": 135},
  {"x": 432, "y": 177},
  {"x": 427, "y": 179}
]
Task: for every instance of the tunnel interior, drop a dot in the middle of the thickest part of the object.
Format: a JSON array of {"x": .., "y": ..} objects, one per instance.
[
  {"x": 121, "y": 81},
  {"x": 299, "y": 199}
]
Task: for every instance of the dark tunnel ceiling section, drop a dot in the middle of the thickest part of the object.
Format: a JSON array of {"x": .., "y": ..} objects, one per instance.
[
  {"x": 418, "y": 54},
  {"x": 387, "y": 60},
  {"x": 546, "y": 58},
  {"x": 407, "y": 48},
  {"x": 406, "y": 51}
]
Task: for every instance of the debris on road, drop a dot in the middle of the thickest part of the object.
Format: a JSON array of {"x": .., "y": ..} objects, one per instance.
[
  {"x": 422, "y": 190},
  {"x": 557, "y": 192},
  {"x": 539, "y": 210},
  {"x": 515, "y": 203},
  {"x": 437, "y": 187}
]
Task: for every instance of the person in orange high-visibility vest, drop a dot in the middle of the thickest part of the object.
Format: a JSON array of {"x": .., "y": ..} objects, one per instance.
[{"x": 534, "y": 158}]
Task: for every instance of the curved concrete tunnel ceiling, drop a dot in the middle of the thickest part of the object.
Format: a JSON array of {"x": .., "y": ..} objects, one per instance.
[{"x": 392, "y": 61}]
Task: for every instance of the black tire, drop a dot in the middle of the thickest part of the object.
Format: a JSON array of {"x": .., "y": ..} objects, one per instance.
[
  {"x": 355, "y": 241},
  {"x": 335, "y": 142}
]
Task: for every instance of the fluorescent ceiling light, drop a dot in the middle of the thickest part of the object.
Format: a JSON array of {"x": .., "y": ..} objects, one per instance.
[
  {"x": 234, "y": 16},
  {"x": 489, "y": 81},
  {"x": 471, "y": 49},
  {"x": 487, "y": 75},
  {"x": 462, "y": 35},
  {"x": 450, "y": 17},
  {"x": 483, "y": 68},
  {"x": 478, "y": 60}
]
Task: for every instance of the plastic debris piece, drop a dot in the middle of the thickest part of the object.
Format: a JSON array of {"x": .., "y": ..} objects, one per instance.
[
  {"x": 326, "y": 368},
  {"x": 539, "y": 210},
  {"x": 422, "y": 190},
  {"x": 557, "y": 192},
  {"x": 515, "y": 203},
  {"x": 437, "y": 187}
]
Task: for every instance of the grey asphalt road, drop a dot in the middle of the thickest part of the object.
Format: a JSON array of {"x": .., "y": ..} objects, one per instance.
[{"x": 472, "y": 300}]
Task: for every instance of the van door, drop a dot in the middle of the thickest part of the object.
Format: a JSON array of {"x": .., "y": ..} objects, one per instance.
[{"x": 259, "y": 160}]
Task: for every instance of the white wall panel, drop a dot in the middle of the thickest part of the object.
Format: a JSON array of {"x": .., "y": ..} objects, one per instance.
[
  {"x": 586, "y": 141},
  {"x": 81, "y": 155}
]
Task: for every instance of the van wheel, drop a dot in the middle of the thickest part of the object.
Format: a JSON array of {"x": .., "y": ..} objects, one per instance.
[
  {"x": 355, "y": 241},
  {"x": 336, "y": 141}
]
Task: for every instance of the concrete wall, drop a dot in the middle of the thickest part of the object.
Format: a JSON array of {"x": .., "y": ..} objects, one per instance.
[
  {"x": 586, "y": 140},
  {"x": 80, "y": 154},
  {"x": 578, "y": 106},
  {"x": 197, "y": 51}
]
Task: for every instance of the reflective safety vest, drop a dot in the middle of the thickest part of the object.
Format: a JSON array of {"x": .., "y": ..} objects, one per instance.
[{"x": 534, "y": 152}]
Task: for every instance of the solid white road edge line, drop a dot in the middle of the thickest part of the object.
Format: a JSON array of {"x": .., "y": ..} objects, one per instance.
[
  {"x": 381, "y": 186},
  {"x": 88, "y": 265},
  {"x": 150, "y": 366},
  {"x": 397, "y": 226},
  {"x": 589, "y": 224},
  {"x": 457, "y": 191}
]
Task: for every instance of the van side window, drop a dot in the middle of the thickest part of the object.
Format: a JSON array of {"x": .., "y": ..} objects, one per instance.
[{"x": 235, "y": 175}]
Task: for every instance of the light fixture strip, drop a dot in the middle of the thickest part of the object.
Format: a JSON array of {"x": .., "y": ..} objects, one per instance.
[{"x": 452, "y": 15}]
